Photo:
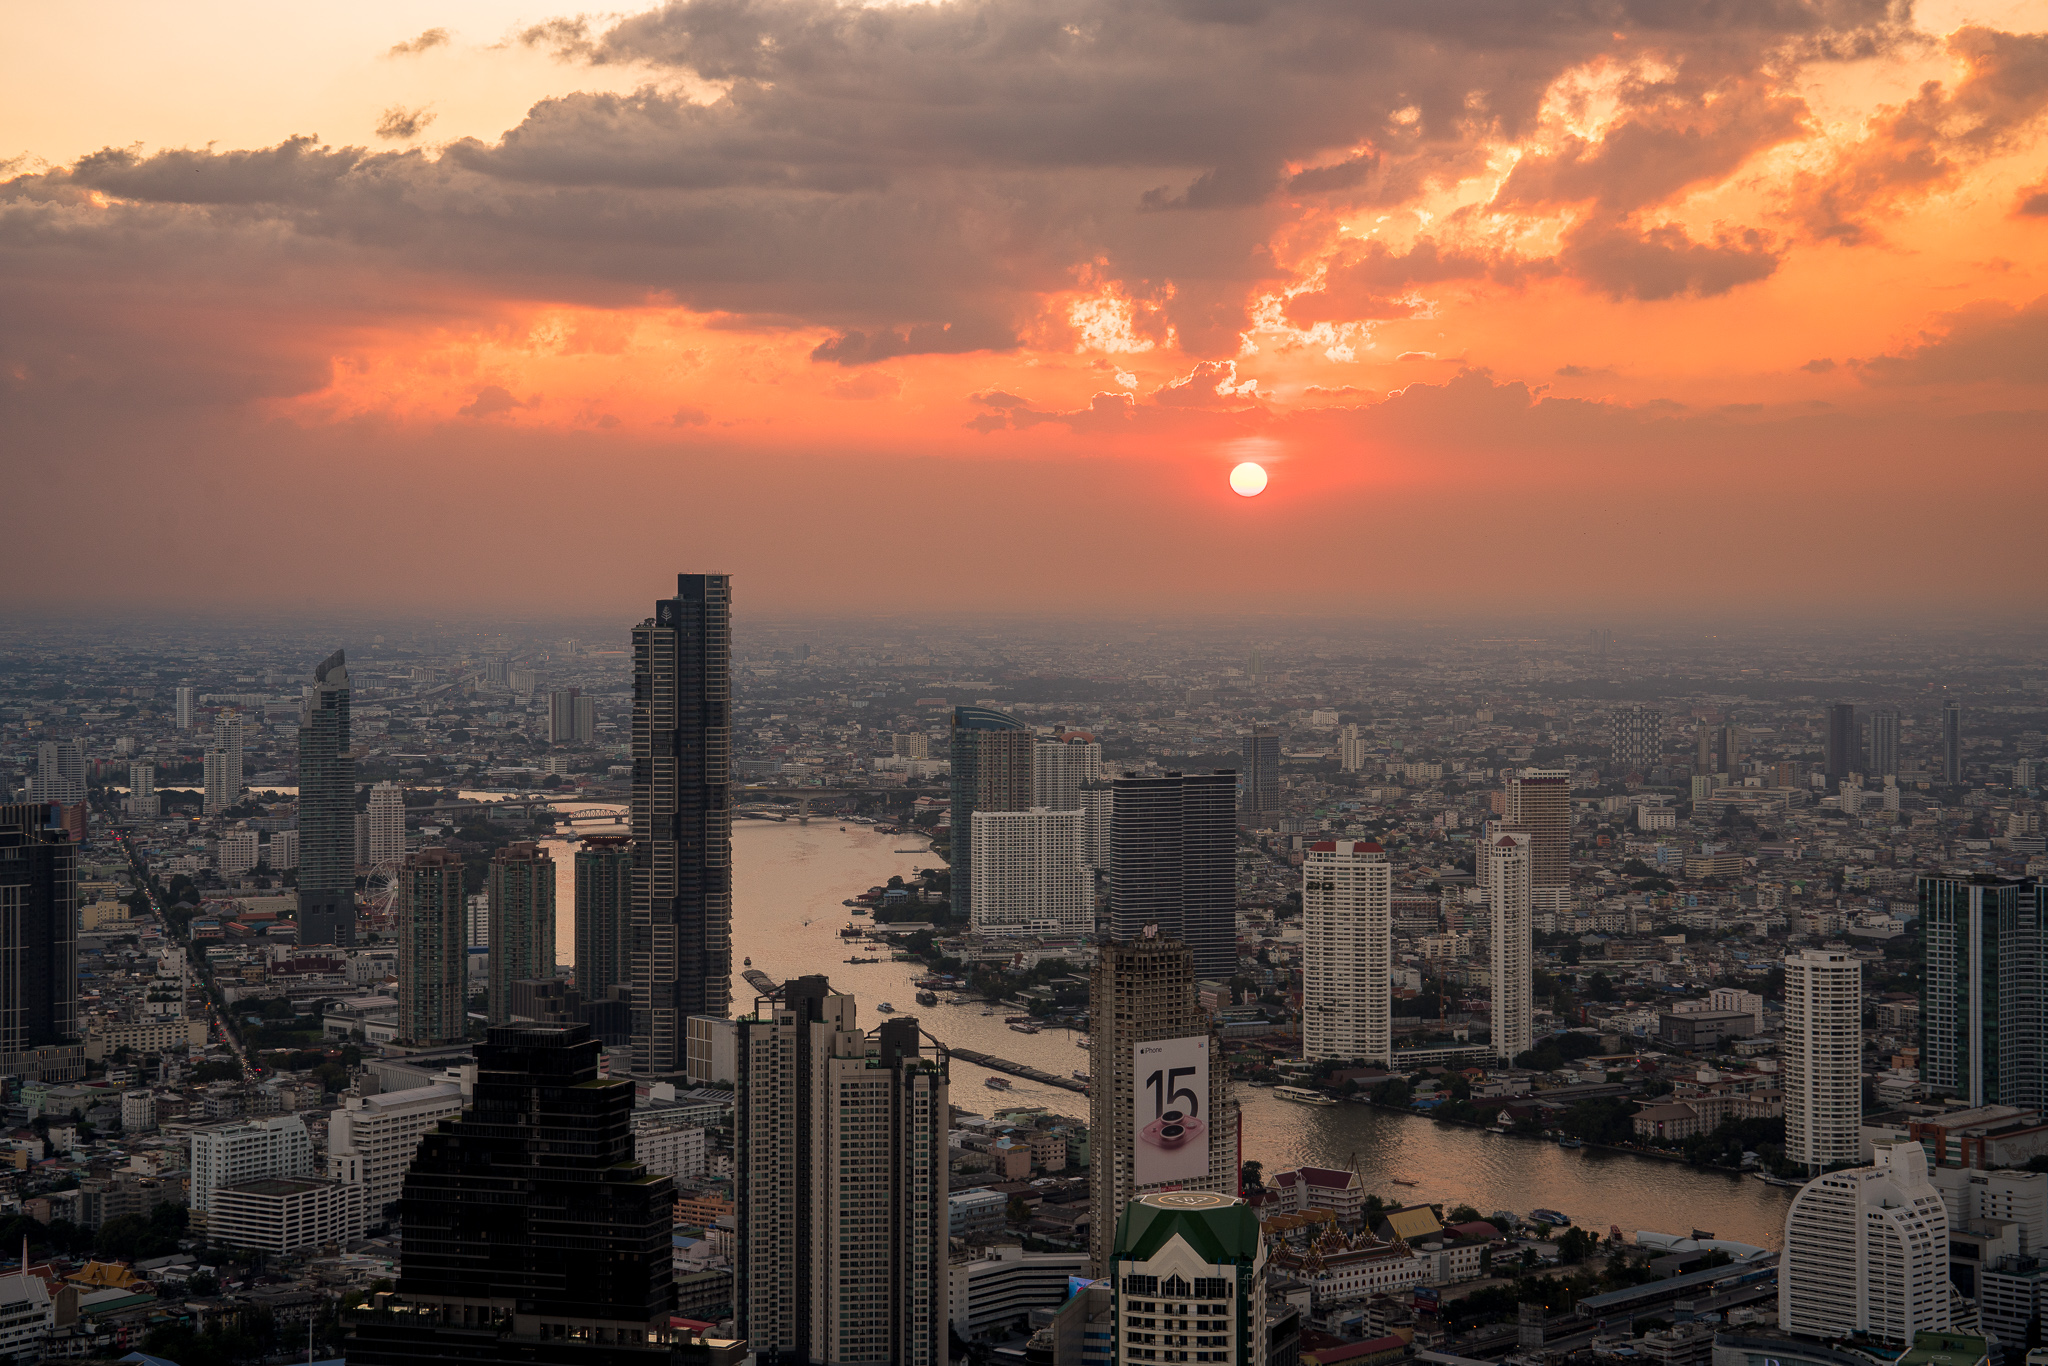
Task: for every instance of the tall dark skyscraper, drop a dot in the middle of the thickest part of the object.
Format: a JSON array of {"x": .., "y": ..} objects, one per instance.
[
  {"x": 993, "y": 758},
  {"x": 38, "y": 946},
  {"x": 1984, "y": 994},
  {"x": 1884, "y": 743},
  {"x": 327, "y": 810},
  {"x": 1259, "y": 801},
  {"x": 682, "y": 819},
  {"x": 1173, "y": 863},
  {"x": 604, "y": 915},
  {"x": 532, "y": 1234},
  {"x": 1842, "y": 742},
  {"x": 1952, "y": 744}
]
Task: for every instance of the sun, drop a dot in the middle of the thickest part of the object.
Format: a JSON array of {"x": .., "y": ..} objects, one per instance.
[{"x": 1248, "y": 479}]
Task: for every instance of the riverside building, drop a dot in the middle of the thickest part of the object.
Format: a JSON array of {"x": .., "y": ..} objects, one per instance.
[
  {"x": 1823, "y": 1063},
  {"x": 1866, "y": 1252},
  {"x": 1347, "y": 922}
]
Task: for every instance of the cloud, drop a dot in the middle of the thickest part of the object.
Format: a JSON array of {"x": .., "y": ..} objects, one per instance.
[
  {"x": 2033, "y": 202},
  {"x": 399, "y": 122},
  {"x": 1583, "y": 371},
  {"x": 867, "y": 384},
  {"x": 1820, "y": 366},
  {"x": 863, "y": 348},
  {"x": 426, "y": 42},
  {"x": 1211, "y": 384},
  {"x": 1663, "y": 263},
  {"x": 1365, "y": 281},
  {"x": 1988, "y": 343},
  {"x": 492, "y": 400},
  {"x": 689, "y": 416}
]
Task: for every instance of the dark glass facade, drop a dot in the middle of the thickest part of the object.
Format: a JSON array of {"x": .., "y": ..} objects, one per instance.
[
  {"x": 1173, "y": 863},
  {"x": 682, "y": 820},
  {"x": 38, "y": 936},
  {"x": 604, "y": 916},
  {"x": 1984, "y": 1000},
  {"x": 327, "y": 810},
  {"x": 531, "y": 1232}
]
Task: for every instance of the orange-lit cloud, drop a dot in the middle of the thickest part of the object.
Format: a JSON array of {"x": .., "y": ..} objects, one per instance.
[{"x": 1513, "y": 260}]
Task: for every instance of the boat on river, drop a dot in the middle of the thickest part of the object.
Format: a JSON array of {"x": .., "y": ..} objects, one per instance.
[
  {"x": 1023, "y": 1029},
  {"x": 1548, "y": 1216},
  {"x": 996, "y": 1083},
  {"x": 1302, "y": 1095},
  {"x": 886, "y": 1008},
  {"x": 1080, "y": 1076},
  {"x": 927, "y": 998}
]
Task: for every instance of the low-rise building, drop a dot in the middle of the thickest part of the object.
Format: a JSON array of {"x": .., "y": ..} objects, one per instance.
[
  {"x": 283, "y": 1214},
  {"x": 999, "y": 1287}
]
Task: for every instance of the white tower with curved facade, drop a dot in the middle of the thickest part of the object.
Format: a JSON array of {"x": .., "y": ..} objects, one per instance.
[{"x": 1866, "y": 1252}]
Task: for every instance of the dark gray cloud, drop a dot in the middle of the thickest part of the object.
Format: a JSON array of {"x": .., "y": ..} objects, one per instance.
[
  {"x": 1988, "y": 344},
  {"x": 426, "y": 42},
  {"x": 1664, "y": 263},
  {"x": 399, "y": 123},
  {"x": 913, "y": 178},
  {"x": 490, "y": 401}
]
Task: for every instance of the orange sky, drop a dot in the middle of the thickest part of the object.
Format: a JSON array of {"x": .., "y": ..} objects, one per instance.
[{"x": 408, "y": 305}]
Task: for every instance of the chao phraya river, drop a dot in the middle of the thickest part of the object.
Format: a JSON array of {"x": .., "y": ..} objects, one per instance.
[{"x": 790, "y": 879}]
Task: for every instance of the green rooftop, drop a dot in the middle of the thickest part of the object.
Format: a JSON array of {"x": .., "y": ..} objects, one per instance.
[
  {"x": 1944, "y": 1349},
  {"x": 1220, "y": 1228}
]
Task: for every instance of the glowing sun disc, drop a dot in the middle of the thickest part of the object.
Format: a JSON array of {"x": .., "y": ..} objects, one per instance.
[{"x": 1248, "y": 479}]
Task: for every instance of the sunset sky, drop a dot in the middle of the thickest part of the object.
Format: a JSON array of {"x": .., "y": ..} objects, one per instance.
[{"x": 1614, "y": 308}]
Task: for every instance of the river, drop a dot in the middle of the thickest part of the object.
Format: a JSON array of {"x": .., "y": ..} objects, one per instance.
[{"x": 789, "y": 880}]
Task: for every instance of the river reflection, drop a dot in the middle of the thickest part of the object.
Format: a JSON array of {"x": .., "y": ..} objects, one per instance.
[{"x": 789, "y": 880}]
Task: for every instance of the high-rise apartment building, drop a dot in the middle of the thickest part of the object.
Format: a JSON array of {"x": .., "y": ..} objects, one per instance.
[
  {"x": 1030, "y": 875},
  {"x": 521, "y": 883},
  {"x": 230, "y": 1153},
  {"x": 60, "y": 773},
  {"x": 572, "y": 717},
  {"x": 1823, "y": 1057},
  {"x": 1160, "y": 1112},
  {"x": 237, "y": 853},
  {"x": 1510, "y": 878},
  {"x": 1866, "y": 1253},
  {"x": 229, "y": 734},
  {"x": 1188, "y": 1270},
  {"x": 1842, "y": 746},
  {"x": 283, "y": 850},
  {"x": 532, "y": 1234},
  {"x": 1350, "y": 748},
  {"x": 910, "y": 745},
  {"x": 1637, "y": 742},
  {"x": 433, "y": 960},
  {"x": 1258, "y": 802},
  {"x": 1539, "y": 801},
  {"x": 604, "y": 914},
  {"x": 371, "y": 1139},
  {"x": 1984, "y": 990},
  {"x": 1098, "y": 816},
  {"x": 187, "y": 706},
  {"x": 1173, "y": 864},
  {"x": 839, "y": 1162},
  {"x": 1952, "y": 744},
  {"x": 1720, "y": 749},
  {"x": 38, "y": 946},
  {"x": 217, "y": 786},
  {"x": 682, "y": 819},
  {"x": 1884, "y": 743},
  {"x": 1347, "y": 929},
  {"x": 327, "y": 809},
  {"x": 143, "y": 803},
  {"x": 1061, "y": 767},
  {"x": 994, "y": 760},
  {"x": 387, "y": 824}
]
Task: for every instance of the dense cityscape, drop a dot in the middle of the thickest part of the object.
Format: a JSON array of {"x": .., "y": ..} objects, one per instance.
[{"x": 1282, "y": 993}]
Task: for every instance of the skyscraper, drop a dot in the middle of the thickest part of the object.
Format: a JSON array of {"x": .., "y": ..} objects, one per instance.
[
  {"x": 1350, "y": 748},
  {"x": 387, "y": 824},
  {"x": 572, "y": 717},
  {"x": 1189, "y": 1268},
  {"x": 1031, "y": 877},
  {"x": 1160, "y": 1113},
  {"x": 532, "y": 1234},
  {"x": 433, "y": 961},
  {"x": 1259, "y": 793},
  {"x": 1098, "y": 811},
  {"x": 1884, "y": 743},
  {"x": 682, "y": 819},
  {"x": 217, "y": 788},
  {"x": 1984, "y": 990},
  {"x": 38, "y": 946},
  {"x": 1173, "y": 864},
  {"x": 1347, "y": 927},
  {"x": 327, "y": 809},
  {"x": 187, "y": 702},
  {"x": 143, "y": 802},
  {"x": 1866, "y": 1252},
  {"x": 1061, "y": 767},
  {"x": 839, "y": 1164},
  {"x": 1720, "y": 749},
  {"x": 1823, "y": 1057},
  {"x": 993, "y": 770},
  {"x": 1842, "y": 746},
  {"x": 1539, "y": 801},
  {"x": 1952, "y": 744},
  {"x": 1638, "y": 738},
  {"x": 60, "y": 773},
  {"x": 521, "y": 884},
  {"x": 604, "y": 914},
  {"x": 228, "y": 735},
  {"x": 1509, "y": 887}
]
